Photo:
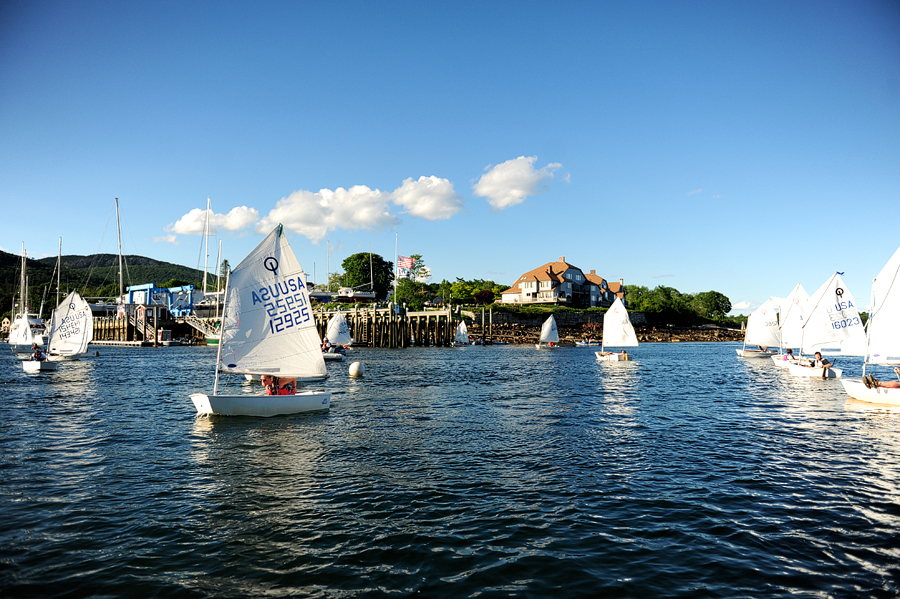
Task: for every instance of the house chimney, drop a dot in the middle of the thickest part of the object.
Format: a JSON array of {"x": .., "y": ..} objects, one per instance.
[
  {"x": 593, "y": 272},
  {"x": 562, "y": 258}
]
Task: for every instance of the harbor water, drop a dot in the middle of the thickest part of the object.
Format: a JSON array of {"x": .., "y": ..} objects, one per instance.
[{"x": 469, "y": 472}]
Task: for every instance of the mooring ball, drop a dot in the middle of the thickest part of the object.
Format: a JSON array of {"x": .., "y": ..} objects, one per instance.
[{"x": 357, "y": 369}]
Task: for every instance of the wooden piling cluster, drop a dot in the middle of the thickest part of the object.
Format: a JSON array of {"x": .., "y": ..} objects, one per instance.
[{"x": 390, "y": 328}]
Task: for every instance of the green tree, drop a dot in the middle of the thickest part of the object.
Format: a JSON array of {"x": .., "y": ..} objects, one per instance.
[
  {"x": 176, "y": 283},
  {"x": 409, "y": 293},
  {"x": 711, "y": 304},
  {"x": 357, "y": 273}
]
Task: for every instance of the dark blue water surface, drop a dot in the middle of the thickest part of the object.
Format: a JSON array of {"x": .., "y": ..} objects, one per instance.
[{"x": 471, "y": 472}]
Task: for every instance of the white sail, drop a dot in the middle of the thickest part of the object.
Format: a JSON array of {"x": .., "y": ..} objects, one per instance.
[
  {"x": 833, "y": 320},
  {"x": 268, "y": 325},
  {"x": 462, "y": 334},
  {"x": 549, "y": 334},
  {"x": 762, "y": 326},
  {"x": 338, "y": 332},
  {"x": 20, "y": 332},
  {"x": 884, "y": 322},
  {"x": 617, "y": 328},
  {"x": 71, "y": 327},
  {"x": 793, "y": 315}
]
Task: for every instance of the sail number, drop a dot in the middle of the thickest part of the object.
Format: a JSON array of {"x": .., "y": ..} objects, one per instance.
[
  {"x": 845, "y": 323},
  {"x": 287, "y": 312}
]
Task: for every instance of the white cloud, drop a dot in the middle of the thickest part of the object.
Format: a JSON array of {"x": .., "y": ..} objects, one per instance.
[
  {"x": 194, "y": 222},
  {"x": 314, "y": 214},
  {"x": 510, "y": 183},
  {"x": 690, "y": 193},
  {"x": 167, "y": 239},
  {"x": 431, "y": 198},
  {"x": 741, "y": 306}
]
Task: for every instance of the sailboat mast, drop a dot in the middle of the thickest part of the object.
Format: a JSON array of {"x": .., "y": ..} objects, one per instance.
[
  {"x": 22, "y": 284},
  {"x": 371, "y": 272},
  {"x": 58, "y": 268},
  {"x": 218, "y": 275},
  {"x": 119, "y": 231},
  {"x": 221, "y": 335},
  {"x": 206, "y": 261}
]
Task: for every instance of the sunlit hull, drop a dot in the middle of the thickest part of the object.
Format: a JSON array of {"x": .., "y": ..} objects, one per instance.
[
  {"x": 35, "y": 366},
  {"x": 261, "y": 405},
  {"x": 815, "y": 372},
  {"x": 612, "y": 357},
  {"x": 754, "y": 353},
  {"x": 856, "y": 389}
]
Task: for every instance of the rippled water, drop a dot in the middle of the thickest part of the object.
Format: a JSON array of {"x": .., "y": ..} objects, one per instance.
[{"x": 472, "y": 472}]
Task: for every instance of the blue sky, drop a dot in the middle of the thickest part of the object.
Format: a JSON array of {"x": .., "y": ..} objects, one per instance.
[{"x": 738, "y": 147}]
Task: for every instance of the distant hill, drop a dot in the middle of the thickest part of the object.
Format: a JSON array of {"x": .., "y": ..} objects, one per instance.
[{"x": 94, "y": 275}]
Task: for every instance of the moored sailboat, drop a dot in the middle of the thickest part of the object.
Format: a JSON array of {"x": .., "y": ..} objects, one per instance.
[{"x": 267, "y": 329}]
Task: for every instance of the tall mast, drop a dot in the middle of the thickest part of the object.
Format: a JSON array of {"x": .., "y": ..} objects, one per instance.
[
  {"x": 218, "y": 274},
  {"x": 371, "y": 272},
  {"x": 58, "y": 268},
  {"x": 119, "y": 230},
  {"x": 22, "y": 284},
  {"x": 396, "y": 267},
  {"x": 206, "y": 262}
]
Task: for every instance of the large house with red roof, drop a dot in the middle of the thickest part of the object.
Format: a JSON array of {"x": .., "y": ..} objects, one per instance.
[{"x": 561, "y": 283}]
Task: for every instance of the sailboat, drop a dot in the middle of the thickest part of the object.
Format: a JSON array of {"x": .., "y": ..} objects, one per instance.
[
  {"x": 26, "y": 329},
  {"x": 462, "y": 334},
  {"x": 792, "y": 312},
  {"x": 883, "y": 337},
  {"x": 762, "y": 331},
  {"x": 833, "y": 321},
  {"x": 71, "y": 329},
  {"x": 338, "y": 335},
  {"x": 549, "y": 335},
  {"x": 617, "y": 332},
  {"x": 267, "y": 328}
]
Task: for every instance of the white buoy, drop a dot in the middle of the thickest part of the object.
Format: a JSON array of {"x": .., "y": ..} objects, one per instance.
[{"x": 357, "y": 369}]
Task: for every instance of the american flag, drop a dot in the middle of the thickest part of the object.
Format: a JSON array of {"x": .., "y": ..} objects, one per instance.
[{"x": 404, "y": 262}]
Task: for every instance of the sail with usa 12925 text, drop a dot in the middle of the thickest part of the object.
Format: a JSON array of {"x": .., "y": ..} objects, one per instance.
[{"x": 267, "y": 329}]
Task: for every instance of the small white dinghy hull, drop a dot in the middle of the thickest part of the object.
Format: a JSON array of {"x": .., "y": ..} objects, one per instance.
[
  {"x": 35, "y": 366},
  {"x": 612, "y": 357},
  {"x": 815, "y": 371},
  {"x": 332, "y": 357},
  {"x": 781, "y": 362},
  {"x": 754, "y": 353},
  {"x": 856, "y": 389},
  {"x": 545, "y": 346},
  {"x": 262, "y": 405}
]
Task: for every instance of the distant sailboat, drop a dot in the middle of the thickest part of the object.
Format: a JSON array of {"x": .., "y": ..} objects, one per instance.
[
  {"x": 26, "y": 329},
  {"x": 792, "y": 315},
  {"x": 462, "y": 334},
  {"x": 268, "y": 328},
  {"x": 762, "y": 330},
  {"x": 617, "y": 332},
  {"x": 338, "y": 335},
  {"x": 549, "y": 335}
]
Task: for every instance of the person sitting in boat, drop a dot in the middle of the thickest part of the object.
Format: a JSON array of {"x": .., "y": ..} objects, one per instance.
[
  {"x": 789, "y": 355},
  {"x": 821, "y": 362},
  {"x": 871, "y": 382},
  {"x": 38, "y": 355},
  {"x": 761, "y": 348},
  {"x": 279, "y": 386},
  {"x": 326, "y": 345}
]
